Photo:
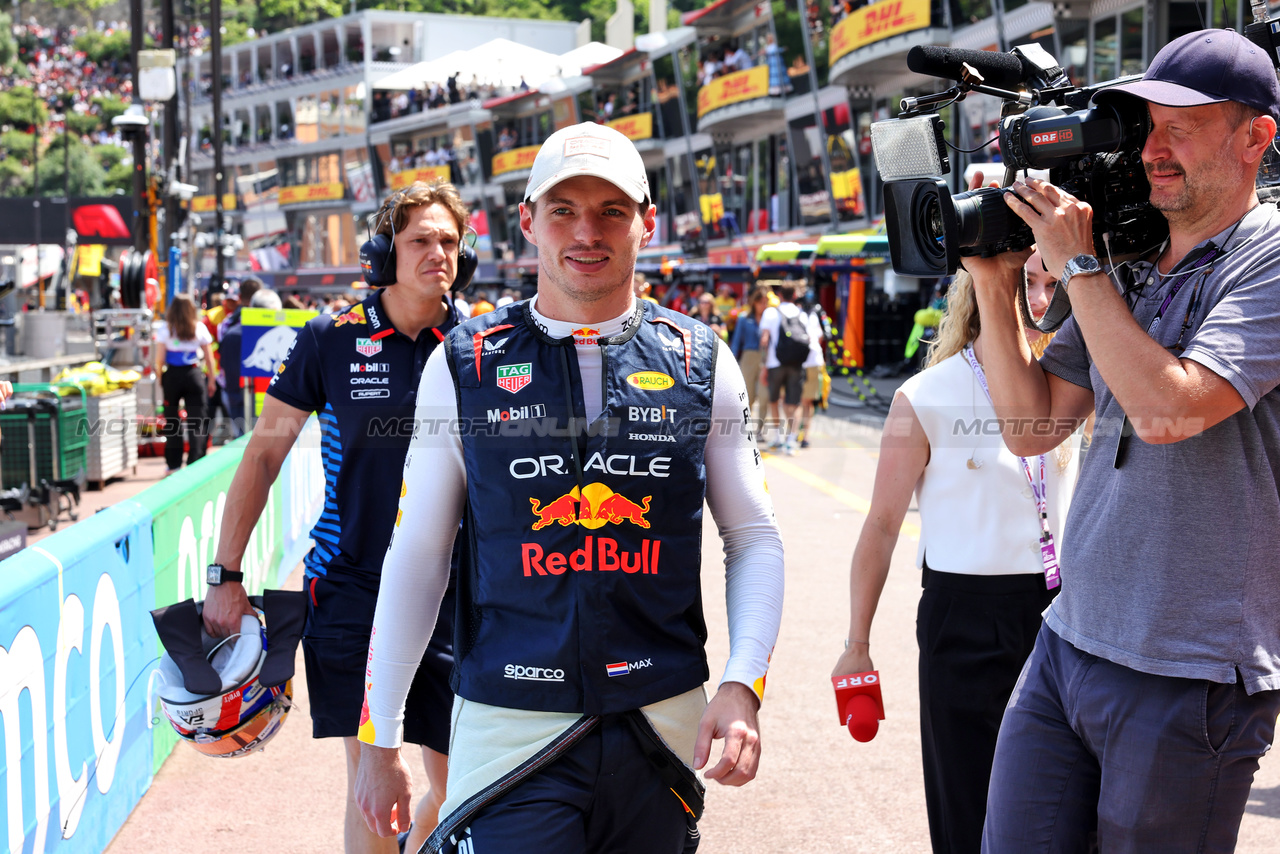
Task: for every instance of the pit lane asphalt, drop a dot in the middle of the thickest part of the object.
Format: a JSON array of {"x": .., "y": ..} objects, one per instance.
[{"x": 817, "y": 789}]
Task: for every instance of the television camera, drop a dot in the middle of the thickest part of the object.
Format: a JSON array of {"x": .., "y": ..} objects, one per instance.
[{"x": 1090, "y": 143}]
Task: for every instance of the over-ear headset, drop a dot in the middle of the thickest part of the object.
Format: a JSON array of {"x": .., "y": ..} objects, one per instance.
[{"x": 378, "y": 254}]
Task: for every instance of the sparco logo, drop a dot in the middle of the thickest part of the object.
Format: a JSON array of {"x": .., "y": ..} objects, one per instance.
[
  {"x": 517, "y": 413},
  {"x": 536, "y": 674}
]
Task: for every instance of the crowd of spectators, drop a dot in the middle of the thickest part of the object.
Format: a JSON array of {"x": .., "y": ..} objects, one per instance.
[
  {"x": 431, "y": 96},
  {"x": 719, "y": 61},
  {"x": 65, "y": 80}
]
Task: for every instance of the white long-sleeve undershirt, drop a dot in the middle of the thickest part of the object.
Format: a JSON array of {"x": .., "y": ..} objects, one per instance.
[{"x": 416, "y": 569}]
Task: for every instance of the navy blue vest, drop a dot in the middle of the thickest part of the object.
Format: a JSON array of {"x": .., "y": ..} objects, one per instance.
[{"x": 582, "y": 593}]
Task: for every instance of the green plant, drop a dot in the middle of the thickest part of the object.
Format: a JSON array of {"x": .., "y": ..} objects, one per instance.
[
  {"x": 15, "y": 177},
  {"x": 81, "y": 124},
  {"x": 109, "y": 156},
  {"x": 108, "y": 107},
  {"x": 19, "y": 105},
  {"x": 119, "y": 178},
  {"x": 16, "y": 143}
]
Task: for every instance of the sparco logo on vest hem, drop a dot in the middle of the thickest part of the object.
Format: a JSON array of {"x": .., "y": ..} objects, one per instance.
[
  {"x": 535, "y": 674},
  {"x": 512, "y": 378},
  {"x": 651, "y": 380},
  {"x": 598, "y": 554}
]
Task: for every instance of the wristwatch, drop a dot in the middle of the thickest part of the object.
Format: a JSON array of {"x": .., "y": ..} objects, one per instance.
[
  {"x": 1081, "y": 265},
  {"x": 217, "y": 574}
]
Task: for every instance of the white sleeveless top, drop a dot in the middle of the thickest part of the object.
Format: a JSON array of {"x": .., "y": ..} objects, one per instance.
[{"x": 979, "y": 521}]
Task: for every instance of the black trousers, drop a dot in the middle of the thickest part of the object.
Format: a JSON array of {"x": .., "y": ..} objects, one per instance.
[
  {"x": 602, "y": 796},
  {"x": 184, "y": 387},
  {"x": 975, "y": 633}
]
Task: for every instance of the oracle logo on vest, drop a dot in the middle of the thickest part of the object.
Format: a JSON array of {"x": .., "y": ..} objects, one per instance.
[{"x": 622, "y": 465}]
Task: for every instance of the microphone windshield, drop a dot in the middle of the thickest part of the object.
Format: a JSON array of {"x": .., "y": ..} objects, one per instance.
[{"x": 1001, "y": 70}]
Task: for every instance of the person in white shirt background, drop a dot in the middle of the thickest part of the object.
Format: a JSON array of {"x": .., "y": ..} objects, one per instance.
[
  {"x": 986, "y": 517},
  {"x": 785, "y": 382}
]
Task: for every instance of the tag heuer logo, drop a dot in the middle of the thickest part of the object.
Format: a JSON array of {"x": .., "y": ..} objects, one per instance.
[
  {"x": 515, "y": 377},
  {"x": 368, "y": 347}
]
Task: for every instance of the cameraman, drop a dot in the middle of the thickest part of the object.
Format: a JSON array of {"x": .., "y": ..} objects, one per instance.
[{"x": 1151, "y": 693}]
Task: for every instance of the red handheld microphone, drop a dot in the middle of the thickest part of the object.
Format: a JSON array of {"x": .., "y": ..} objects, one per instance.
[{"x": 859, "y": 704}]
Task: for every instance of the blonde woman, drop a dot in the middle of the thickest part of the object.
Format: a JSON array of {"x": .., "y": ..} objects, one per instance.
[
  {"x": 183, "y": 344},
  {"x": 990, "y": 527}
]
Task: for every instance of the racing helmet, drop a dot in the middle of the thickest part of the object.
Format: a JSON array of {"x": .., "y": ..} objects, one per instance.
[{"x": 244, "y": 714}]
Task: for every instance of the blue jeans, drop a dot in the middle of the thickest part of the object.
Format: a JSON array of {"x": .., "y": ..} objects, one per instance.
[
  {"x": 233, "y": 402},
  {"x": 1090, "y": 753}
]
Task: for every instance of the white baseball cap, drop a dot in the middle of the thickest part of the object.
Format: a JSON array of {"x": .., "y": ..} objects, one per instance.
[{"x": 588, "y": 149}]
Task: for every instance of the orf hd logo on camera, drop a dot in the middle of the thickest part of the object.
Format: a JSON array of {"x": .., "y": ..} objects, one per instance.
[{"x": 1052, "y": 137}]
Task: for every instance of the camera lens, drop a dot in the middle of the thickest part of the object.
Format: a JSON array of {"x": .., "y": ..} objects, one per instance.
[
  {"x": 931, "y": 230},
  {"x": 983, "y": 217},
  {"x": 933, "y": 220}
]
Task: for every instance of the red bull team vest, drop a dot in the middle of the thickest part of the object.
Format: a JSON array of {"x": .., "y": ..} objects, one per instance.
[{"x": 582, "y": 589}]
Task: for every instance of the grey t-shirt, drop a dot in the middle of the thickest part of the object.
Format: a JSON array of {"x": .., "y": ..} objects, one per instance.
[{"x": 1171, "y": 563}]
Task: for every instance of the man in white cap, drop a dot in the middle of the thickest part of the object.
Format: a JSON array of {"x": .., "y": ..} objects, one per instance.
[{"x": 576, "y": 436}]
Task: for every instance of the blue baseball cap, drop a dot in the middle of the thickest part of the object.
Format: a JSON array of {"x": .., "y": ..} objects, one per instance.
[{"x": 1208, "y": 67}]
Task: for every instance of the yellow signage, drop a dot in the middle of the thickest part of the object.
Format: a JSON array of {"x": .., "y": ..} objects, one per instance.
[
  {"x": 634, "y": 127},
  {"x": 427, "y": 174},
  {"x": 208, "y": 204},
  {"x": 302, "y": 193},
  {"x": 89, "y": 259},
  {"x": 734, "y": 88},
  {"x": 875, "y": 23},
  {"x": 515, "y": 159},
  {"x": 847, "y": 187},
  {"x": 651, "y": 380},
  {"x": 712, "y": 208}
]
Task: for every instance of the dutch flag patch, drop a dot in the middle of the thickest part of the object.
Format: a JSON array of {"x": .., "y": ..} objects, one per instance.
[{"x": 619, "y": 669}]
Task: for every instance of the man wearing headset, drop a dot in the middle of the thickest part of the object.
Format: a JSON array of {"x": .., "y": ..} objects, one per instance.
[{"x": 359, "y": 372}]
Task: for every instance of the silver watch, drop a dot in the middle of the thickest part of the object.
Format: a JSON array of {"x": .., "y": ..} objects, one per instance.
[{"x": 1081, "y": 265}]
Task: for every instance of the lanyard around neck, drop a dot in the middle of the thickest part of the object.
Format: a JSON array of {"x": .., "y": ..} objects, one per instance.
[
  {"x": 1039, "y": 490},
  {"x": 1211, "y": 253}
]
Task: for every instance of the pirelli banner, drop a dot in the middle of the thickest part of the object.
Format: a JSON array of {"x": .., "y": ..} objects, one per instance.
[
  {"x": 634, "y": 128},
  {"x": 734, "y": 88},
  {"x": 875, "y": 23},
  {"x": 514, "y": 160},
  {"x": 427, "y": 174},
  {"x": 301, "y": 194}
]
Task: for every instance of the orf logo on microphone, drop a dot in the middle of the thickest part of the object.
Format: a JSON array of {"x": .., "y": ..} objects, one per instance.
[{"x": 1052, "y": 137}]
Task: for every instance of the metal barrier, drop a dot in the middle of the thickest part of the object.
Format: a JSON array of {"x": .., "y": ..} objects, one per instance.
[{"x": 77, "y": 647}]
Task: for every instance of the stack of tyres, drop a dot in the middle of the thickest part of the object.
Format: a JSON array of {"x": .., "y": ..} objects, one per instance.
[{"x": 44, "y": 452}]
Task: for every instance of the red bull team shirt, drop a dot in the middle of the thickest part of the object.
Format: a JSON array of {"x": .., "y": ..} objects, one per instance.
[{"x": 360, "y": 375}]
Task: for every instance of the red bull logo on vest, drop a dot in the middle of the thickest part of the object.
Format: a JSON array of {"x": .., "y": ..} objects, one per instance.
[
  {"x": 355, "y": 315},
  {"x": 594, "y": 506},
  {"x": 598, "y": 554}
]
